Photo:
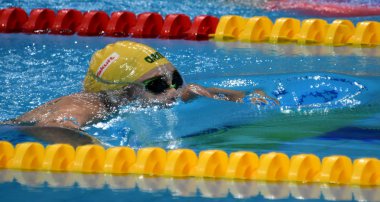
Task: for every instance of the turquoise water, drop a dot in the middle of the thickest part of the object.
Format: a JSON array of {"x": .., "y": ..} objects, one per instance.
[
  {"x": 329, "y": 105},
  {"x": 43, "y": 67}
]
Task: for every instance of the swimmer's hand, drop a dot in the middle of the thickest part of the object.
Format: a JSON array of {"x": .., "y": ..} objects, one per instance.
[{"x": 259, "y": 97}]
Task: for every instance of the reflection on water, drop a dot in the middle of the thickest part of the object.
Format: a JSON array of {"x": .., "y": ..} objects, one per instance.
[
  {"x": 186, "y": 187},
  {"x": 290, "y": 57},
  {"x": 293, "y": 49}
]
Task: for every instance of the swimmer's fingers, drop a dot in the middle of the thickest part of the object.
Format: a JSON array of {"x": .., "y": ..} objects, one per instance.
[
  {"x": 264, "y": 100},
  {"x": 261, "y": 94},
  {"x": 258, "y": 101},
  {"x": 275, "y": 101}
]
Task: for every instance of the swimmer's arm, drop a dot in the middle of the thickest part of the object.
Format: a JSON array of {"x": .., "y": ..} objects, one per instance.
[
  {"x": 226, "y": 94},
  {"x": 191, "y": 91}
]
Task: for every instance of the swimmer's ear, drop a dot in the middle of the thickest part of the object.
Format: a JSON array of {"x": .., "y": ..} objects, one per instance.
[{"x": 53, "y": 135}]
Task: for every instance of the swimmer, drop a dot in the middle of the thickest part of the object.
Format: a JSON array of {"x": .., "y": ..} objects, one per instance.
[{"x": 119, "y": 74}]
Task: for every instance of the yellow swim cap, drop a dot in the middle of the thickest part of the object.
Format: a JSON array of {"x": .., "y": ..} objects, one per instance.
[{"x": 119, "y": 64}]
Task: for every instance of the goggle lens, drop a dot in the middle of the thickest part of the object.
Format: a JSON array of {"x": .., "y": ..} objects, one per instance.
[
  {"x": 177, "y": 80},
  {"x": 158, "y": 85}
]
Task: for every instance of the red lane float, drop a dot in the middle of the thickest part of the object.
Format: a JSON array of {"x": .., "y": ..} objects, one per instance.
[
  {"x": 120, "y": 24},
  {"x": 66, "y": 22},
  {"x": 148, "y": 25},
  {"x": 175, "y": 26},
  {"x": 324, "y": 9},
  {"x": 202, "y": 26},
  {"x": 93, "y": 24},
  {"x": 40, "y": 21},
  {"x": 12, "y": 19}
]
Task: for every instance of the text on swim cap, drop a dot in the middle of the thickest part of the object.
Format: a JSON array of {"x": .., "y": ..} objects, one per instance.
[
  {"x": 153, "y": 57},
  {"x": 106, "y": 63}
]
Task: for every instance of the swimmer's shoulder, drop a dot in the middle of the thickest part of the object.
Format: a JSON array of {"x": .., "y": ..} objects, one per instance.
[{"x": 81, "y": 102}]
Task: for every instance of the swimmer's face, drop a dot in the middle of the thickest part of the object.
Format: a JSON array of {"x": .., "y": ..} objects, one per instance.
[{"x": 162, "y": 84}]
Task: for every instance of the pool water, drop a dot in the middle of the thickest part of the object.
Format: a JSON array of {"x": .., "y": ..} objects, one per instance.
[
  {"x": 330, "y": 98},
  {"x": 326, "y": 92}
]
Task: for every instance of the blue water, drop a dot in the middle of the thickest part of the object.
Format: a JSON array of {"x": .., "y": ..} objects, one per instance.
[
  {"x": 329, "y": 102},
  {"x": 332, "y": 92}
]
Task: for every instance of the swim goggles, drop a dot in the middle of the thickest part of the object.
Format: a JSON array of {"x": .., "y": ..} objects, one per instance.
[{"x": 158, "y": 85}]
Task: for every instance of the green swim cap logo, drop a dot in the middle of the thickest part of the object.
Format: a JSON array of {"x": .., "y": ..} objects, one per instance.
[{"x": 153, "y": 57}]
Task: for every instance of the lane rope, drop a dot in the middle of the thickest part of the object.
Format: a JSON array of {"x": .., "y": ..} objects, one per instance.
[
  {"x": 313, "y": 31},
  {"x": 245, "y": 165}
]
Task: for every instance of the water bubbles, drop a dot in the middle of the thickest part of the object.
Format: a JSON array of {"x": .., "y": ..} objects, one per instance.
[
  {"x": 235, "y": 83},
  {"x": 104, "y": 125}
]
